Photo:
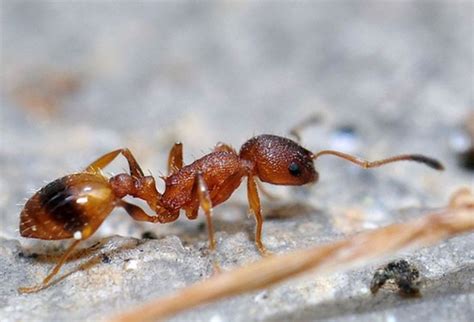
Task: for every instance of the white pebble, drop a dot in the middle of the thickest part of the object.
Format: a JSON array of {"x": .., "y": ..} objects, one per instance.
[{"x": 131, "y": 265}]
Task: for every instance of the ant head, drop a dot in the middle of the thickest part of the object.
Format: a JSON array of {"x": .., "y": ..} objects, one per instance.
[{"x": 279, "y": 160}]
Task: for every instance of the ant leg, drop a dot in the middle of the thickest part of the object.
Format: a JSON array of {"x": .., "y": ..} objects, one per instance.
[
  {"x": 200, "y": 189},
  {"x": 175, "y": 158},
  {"x": 222, "y": 192},
  {"x": 135, "y": 169},
  {"x": 137, "y": 213},
  {"x": 204, "y": 198},
  {"x": 53, "y": 272},
  {"x": 295, "y": 131},
  {"x": 104, "y": 160},
  {"x": 222, "y": 147},
  {"x": 192, "y": 212},
  {"x": 254, "y": 201}
]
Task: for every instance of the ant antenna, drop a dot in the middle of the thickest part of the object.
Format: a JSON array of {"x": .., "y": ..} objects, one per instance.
[
  {"x": 296, "y": 130},
  {"x": 432, "y": 163}
]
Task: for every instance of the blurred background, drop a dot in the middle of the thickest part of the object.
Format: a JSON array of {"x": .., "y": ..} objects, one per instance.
[{"x": 79, "y": 79}]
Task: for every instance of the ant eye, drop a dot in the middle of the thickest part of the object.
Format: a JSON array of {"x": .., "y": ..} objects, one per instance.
[{"x": 294, "y": 169}]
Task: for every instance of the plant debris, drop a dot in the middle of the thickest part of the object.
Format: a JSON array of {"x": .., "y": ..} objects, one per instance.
[
  {"x": 357, "y": 250},
  {"x": 400, "y": 274}
]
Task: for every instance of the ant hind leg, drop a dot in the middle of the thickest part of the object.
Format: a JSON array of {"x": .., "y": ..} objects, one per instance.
[
  {"x": 137, "y": 213},
  {"x": 104, "y": 161},
  {"x": 54, "y": 271}
]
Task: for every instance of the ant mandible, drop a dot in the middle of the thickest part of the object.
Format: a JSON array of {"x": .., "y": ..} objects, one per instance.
[{"x": 74, "y": 206}]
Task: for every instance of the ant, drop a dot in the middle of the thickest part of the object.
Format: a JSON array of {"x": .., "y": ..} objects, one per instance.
[{"x": 74, "y": 206}]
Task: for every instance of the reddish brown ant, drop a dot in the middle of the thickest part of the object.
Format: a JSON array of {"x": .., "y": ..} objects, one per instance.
[{"x": 75, "y": 205}]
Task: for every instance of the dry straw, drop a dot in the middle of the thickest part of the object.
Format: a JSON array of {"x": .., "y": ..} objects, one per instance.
[{"x": 357, "y": 250}]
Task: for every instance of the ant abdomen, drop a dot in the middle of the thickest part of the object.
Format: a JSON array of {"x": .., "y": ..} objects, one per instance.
[{"x": 73, "y": 206}]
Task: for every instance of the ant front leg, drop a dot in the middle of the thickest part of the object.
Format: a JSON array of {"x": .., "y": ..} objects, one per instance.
[
  {"x": 254, "y": 201},
  {"x": 53, "y": 272},
  {"x": 104, "y": 160},
  {"x": 175, "y": 158},
  {"x": 201, "y": 191}
]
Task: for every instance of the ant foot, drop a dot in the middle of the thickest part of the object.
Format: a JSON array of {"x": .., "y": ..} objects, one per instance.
[
  {"x": 216, "y": 268},
  {"x": 33, "y": 289},
  {"x": 263, "y": 250}
]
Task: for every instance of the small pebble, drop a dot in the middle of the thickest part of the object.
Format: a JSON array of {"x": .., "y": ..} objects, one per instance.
[{"x": 131, "y": 265}]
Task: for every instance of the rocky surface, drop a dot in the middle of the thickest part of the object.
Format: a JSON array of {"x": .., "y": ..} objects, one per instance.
[{"x": 80, "y": 79}]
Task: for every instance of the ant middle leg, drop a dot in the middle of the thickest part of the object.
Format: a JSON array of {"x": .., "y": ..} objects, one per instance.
[
  {"x": 53, "y": 272},
  {"x": 103, "y": 161},
  {"x": 175, "y": 158},
  {"x": 201, "y": 191}
]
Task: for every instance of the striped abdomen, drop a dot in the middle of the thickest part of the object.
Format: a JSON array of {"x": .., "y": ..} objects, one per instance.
[{"x": 72, "y": 206}]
